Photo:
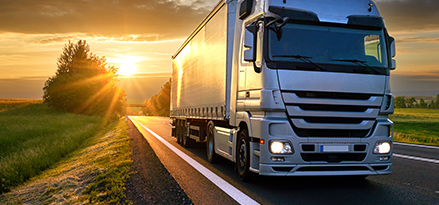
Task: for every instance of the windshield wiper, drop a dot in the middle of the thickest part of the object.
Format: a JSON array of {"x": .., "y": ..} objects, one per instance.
[
  {"x": 359, "y": 62},
  {"x": 305, "y": 59}
]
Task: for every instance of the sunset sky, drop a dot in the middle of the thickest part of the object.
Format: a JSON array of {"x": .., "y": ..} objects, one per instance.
[{"x": 147, "y": 32}]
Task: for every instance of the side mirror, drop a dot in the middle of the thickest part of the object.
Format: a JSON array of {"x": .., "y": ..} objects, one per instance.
[
  {"x": 392, "y": 47},
  {"x": 392, "y": 53}
]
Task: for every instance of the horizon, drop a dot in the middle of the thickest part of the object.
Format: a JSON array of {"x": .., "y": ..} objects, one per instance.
[{"x": 33, "y": 34}]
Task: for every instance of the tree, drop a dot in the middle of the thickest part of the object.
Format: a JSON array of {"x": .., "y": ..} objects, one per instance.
[
  {"x": 400, "y": 102},
  {"x": 422, "y": 103},
  {"x": 84, "y": 84},
  {"x": 159, "y": 104},
  {"x": 411, "y": 102}
]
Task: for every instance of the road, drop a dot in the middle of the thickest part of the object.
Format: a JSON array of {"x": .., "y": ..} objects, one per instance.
[{"x": 415, "y": 177}]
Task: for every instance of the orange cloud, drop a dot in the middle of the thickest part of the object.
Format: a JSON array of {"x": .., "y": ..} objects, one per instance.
[
  {"x": 149, "y": 19},
  {"x": 410, "y": 15}
]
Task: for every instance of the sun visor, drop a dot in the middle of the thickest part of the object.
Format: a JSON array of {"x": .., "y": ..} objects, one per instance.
[
  {"x": 361, "y": 20},
  {"x": 294, "y": 14}
]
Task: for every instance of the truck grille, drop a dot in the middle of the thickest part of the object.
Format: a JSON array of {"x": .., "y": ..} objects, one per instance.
[
  {"x": 330, "y": 114},
  {"x": 353, "y": 157}
]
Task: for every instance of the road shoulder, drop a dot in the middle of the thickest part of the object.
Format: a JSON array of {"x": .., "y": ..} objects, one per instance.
[{"x": 150, "y": 182}]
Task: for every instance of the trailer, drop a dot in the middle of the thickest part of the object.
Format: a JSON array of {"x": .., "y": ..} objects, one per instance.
[{"x": 288, "y": 87}]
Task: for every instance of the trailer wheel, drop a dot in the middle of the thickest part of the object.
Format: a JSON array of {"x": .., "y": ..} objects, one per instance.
[
  {"x": 212, "y": 157},
  {"x": 243, "y": 156},
  {"x": 179, "y": 132}
]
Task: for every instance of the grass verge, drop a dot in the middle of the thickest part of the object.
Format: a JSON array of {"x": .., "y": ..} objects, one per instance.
[
  {"x": 95, "y": 173},
  {"x": 420, "y": 126},
  {"x": 33, "y": 138}
]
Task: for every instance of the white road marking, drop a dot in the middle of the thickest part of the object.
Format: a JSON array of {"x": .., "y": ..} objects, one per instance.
[
  {"x": 233, "y": 192},
  {"x": 416, "y": 145},
  {"x": 416, "y": 158}
]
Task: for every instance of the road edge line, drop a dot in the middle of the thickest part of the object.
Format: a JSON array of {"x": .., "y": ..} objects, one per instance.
[
  {"x": 416, "y": 158},
  {"x": 229, "y": 189},
  {"x": 416, "y": 145}
]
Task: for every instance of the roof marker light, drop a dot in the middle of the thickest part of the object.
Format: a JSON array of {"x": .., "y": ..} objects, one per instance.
[{"x": 370, "y": 6}]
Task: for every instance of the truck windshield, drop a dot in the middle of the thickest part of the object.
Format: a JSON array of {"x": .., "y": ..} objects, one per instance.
[{"x": 327, "y": 45}]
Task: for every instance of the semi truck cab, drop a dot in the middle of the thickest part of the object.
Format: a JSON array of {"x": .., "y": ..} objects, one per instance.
[{"x": 314, "y": 87}]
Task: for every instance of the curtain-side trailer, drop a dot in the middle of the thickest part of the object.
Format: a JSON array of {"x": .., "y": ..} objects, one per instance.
[{"x": 288, "y": 87}]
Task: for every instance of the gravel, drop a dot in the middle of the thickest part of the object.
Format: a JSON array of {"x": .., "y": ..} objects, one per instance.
[{"x": 150, "y": 182}]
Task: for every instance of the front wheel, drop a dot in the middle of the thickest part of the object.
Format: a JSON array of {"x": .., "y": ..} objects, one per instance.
[{"x": 243, "y": 156}]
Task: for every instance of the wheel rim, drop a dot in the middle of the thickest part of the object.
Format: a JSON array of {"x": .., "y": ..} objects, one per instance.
[
  {"x": 242, "y": 155},
  {"x": 210, "y": 142}
]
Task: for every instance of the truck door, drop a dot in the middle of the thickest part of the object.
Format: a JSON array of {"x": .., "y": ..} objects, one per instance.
[{"x": 249, "y": 79}]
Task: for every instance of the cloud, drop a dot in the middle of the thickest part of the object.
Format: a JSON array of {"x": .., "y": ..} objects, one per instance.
[
  {"x": 410, "y": 15},
  {"x": 421, "y": 75},
  {"x": 418, "y": 39},
  {"x": 62, "y": 38},
  {"x": 148, "y": 20}
]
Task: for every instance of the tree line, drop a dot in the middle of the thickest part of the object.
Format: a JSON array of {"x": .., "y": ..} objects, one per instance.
[
  {"x": 411, "y": 102},
  {"x": 159, "y": 104}
]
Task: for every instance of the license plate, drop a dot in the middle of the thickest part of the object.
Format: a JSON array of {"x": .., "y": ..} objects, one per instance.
[{"x": 334, "y": 148}]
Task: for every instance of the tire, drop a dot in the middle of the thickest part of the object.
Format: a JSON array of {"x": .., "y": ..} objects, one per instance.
[
  {"x": 212, "y": 157},
  {"x": 179, "y": 132},
  {"x": 243, "y": 156}
]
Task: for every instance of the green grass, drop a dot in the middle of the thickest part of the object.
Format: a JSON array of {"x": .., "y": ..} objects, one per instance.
[
  {"x": 33, "y": 138},
  {"x": 419, "y": 126},
  {"x": 112, "y": 167},
  {"x": 95, "y": 173}
]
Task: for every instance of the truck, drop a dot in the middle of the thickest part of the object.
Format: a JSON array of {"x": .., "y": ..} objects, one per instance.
[{"x": 288, "y": 88}]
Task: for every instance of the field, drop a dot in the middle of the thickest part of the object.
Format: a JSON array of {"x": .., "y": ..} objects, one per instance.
[
  {"x": 419, "y": 126},
  {"x": 47, "y": 157},
  {"x": 12, "y": 103},
  {"x": 33, "y": 137}
]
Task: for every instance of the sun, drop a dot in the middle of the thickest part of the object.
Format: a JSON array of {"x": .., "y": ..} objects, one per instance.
[{"x": 128, "y": 67}]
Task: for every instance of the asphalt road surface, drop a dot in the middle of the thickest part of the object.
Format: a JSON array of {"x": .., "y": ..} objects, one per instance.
[{"x": 415, "y": 177}]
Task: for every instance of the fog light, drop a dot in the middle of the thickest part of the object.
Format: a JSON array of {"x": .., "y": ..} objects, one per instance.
[
  {"x": 279, "y": 147},
  {"x": 384, "y": 158},
  {"x": 277, "y": 159},
  {"x": 382, "y": 148}
]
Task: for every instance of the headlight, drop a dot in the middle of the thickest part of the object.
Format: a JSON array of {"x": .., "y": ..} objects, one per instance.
[
  {"x": 279, "y": 147},
  {"x": 382, "y": 148}
]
